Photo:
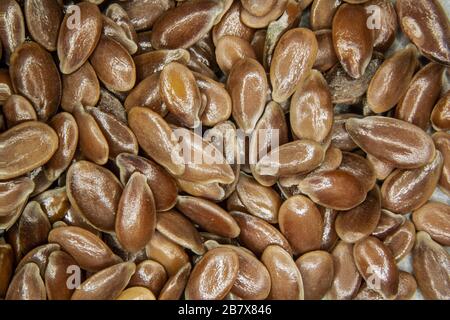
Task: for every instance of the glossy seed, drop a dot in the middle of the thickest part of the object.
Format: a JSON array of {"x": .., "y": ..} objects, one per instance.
[
  {"x": 39, "y": 256},
  {"x": 213, "y": 276},
  {"x": 27, "y": 284},
  {"x": 292, "y": 60},
  {"x": 431, "y": 265},
  {"x": 400, "y": 143},
  {"x": 388, "y": 223},
  {"x": 154, "y": 61},
  {"x": 353, "y": 40},
  {"x": 258, "y": 22},
  {"x": 322, "y": 13},
  {"x": 144, "y": 13},
  {"x": 317, "y": 270},
  {"x": 95, "y": 192},
  {"x": 146, "y": 94},
  {"x": 402, "y": 240},
  {"x": 407, "y": 190},
  {"x": 434, "y": 218},
  {"x": 18, "y": 109},
  {"x": 384, "y": 35},
  {"x": 12, "y": 27},
  {"x": 76, "y": 43},
  {"x": 286, "y": 280},
  {"x": 440, "y": 116},
  {"x": 57, "y": 276},
  {"x": 175, "y": 285},
  {"x": 149, "y": 274},
  {"x": 136, "y": 293},
  {"x": 442, "y": 142},
  {"x": 230, "y": 49},
  {"x": 106, "y": 284},
  {"x": 6, "y": 267},
  {"x": 359, "y": 167},
  {"x": 381, "y": 168}
]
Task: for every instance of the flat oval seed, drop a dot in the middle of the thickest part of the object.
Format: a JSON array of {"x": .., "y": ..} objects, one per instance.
[
  {"x": 18, "y": 109},
  {"x": 12, "y": 27},
  {"x": 360, "y": 168},
  {"x": 301, "y": 223},
  {"x": 154, "y": 61},
  {"x": 347, "y": 279},
  {"x": 426, "y": 25},
  {"x": 136, "y": 214},
  {"x": 329, "y": 235},
  {"x": 407, "y": 286},
  {"x": 292, "y": 61},
  {"x": 39, "y": 256},
  {"x": 248, "y": 87},
  {"x": 317, "y": 270},
  {"x": 147, "y": 94},
  {"x": 57, "y": 276},
  {"x": 262, "y": 202},
  {"x": 175, "y": 285},
  {"x": 149, "y": 274},
  {"x": 392, "y": 79},
  {"x": 14, "y": 194},
  {"x": 6, "y": 267},
  {"x": 374, "y": 259},
  {"x": 286, "y": 280},
  {"x": 25, "y": 147},
  {"x": 213, "y": 276},
  {"x": 74, "y": 218},
  {"x": 407, "y": 190},
  {"x": 359, "y": 222},
  {"x": 116, "y": 71},
  {"x": 440, "y": 117},
  {"x": 88, "y": 250},
  {"x": 334, "y": 189},
  {"x": 297, "y": 157},
  {"x": 311, "y": 111},
  {"x": 381, "y": 168},
  {"x": 163, "y": 145},
  {"x": 340, "y": 137},
  {"x": 400, "y": 143},
  {"x": 35, "y": 76},
  {"x": 257, "y": 234},
  {"x": 180, "y": 93},
  {"x": 353, "y": 40},
  {"x": 418, "y": 102},
  {"x": 44, "y": 20},
  {"x": 263, "y": 21},
  {"x": 27, "y": 284},
  {"x": 402, "y": 240},
  {"x": 209, "y": 216},
  {"x": 388, "y": 223},
  {"x": 199, "y": 17},
  {"x": 114, "y": 31},
  {"x": 163, "y": 185},
  {"x": 431, "y": 266},
  {"x": 434, "y": 219},
  {"x": 257, "y": 7},
  {"x": 136, "y": 293},
  {"x": 442, "y": 142},
  {"x": 166, "y": 252},
  {"x": 180, "y": 230},
  {"x": 384, "y": 36},
  {"x": 93, "y": 143},
  {"x": 106, "y": 284},
  {"x": 230, "y": 49},
  {"x": 95, "y": 192},
  {"x": 144, "y": 13},
  {"x": 82, "y": 86},
  {"x": 77, "y": 42},
  {"x": 119, "y": 136},
  {"x": 326, "y": 57}
]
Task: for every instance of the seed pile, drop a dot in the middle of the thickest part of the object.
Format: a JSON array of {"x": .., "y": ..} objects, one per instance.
[{"x": 102, "y": 102}]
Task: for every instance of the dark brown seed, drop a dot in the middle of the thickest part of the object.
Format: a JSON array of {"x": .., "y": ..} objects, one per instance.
[
  {"x": 326, "y": 57},
  {"x": 377, "y": 266},
  {"x": 6, "y": 88},
  {"x": 257, "y": 234},
  {"x": 340, "y": 137},
  {"x": 359, "y": 167},
  {"x": 74, "y": 218},
  {"x": 13, "y": 197},
  {"x": 27, "y": 284},
  {"x": 392, "y": 79},
  {"x": 154, "y": 61},
  {"x": 329, "y": 235},
  {"x": 34, "y": 141},
  {"x": 147, "y": 94},
  {"x": 163, "y": 186},
  {"x": 213, "y": 276},
  {"x": 89, "y": 251},
  {"x": 353, "y": 40},
  {"x": 57, "y": 276},
  {"x": 301, "y": 223},
  {"x": 144, "y": 13},
  {"x": 149, "y": 274},
  {"x": 82, "y": 86},
  {"x": 114, "y": 66},
  {"x": 6, "y": 267},
  {"x": 136, "y": 214},
  {"x": 208, "y": 216},
  {"x": 95, "y": 192},
  {"x": 407, "y": 190},
  {"x": 43, "y": 20},
  {"x": 286, "y": 280},
  {"x": 39, "y": 256},
  {"x": 169, "y": 32},
  {"x": 400, "y": 143},
  {"x": 110, "y": 104},
  {"x": 18, "y": 109},
  {"x": 12, "y": 27},
  {"x": 402, "y": 240},
  {"x": 77, "y": 42},
  {"x": 175, "y": 285},
  {"x": 359, "y": 222},
  {"x": 317, "y": 270},
  {"x": 431, "y": 266},
  {"x": 35, "y": 76},
  {"x": 106, "y": 284},
  {"x": 292, "y": 61},
  {"x": 440, "y": 117},
  {"x": 442, "y": 142},
  {"x": 423, "y": 92},
  {"x": 434, "y": 218},
  {"x": 426, "y": 25},
  {"x": 384, "y": 35}
]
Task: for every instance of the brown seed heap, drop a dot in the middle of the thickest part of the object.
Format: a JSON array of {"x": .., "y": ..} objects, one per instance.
[{"x": 321, "y": 137}]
